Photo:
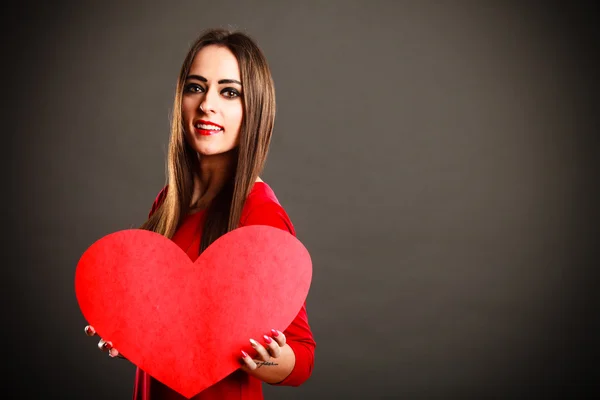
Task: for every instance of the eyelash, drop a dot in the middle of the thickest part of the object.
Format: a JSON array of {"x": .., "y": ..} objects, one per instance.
[{"x": 192, "y": 88}]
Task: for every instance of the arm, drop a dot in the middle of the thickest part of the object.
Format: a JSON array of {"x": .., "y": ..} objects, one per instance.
[
  {"x": 301, "y": 341},
  {"x": 294, "y": 363}
]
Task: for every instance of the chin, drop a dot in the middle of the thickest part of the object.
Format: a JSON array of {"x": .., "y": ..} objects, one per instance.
[
  {"x": 207, "y": 152},
  {"x": 212, "y": 151}
]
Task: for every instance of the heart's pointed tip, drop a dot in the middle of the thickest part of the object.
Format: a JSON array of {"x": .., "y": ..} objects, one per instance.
[
  {"x": 189, "y": 395},
  {"x": 188, "y": 392}
]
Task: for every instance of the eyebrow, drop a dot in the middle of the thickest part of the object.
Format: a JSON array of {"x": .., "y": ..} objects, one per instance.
[{"x": 203, "y": 79}]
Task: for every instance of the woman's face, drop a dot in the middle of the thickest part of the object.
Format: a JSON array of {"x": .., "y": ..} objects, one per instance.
[{"x": 212, "y": 107}]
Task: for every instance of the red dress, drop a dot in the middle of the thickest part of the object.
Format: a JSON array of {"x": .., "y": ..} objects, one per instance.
[{"x": 260, "y": 208}]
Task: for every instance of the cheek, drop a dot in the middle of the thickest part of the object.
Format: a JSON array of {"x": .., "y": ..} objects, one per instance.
[
  {"x": 187, "y": 110},
  {"x": 236, "y": 116}
]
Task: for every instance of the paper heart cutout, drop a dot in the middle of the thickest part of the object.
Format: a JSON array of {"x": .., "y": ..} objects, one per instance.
[{"x": 185, "y": 323}]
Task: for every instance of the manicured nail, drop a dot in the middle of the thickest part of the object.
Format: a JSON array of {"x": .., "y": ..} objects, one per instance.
[
  {"x": 244, "y": 354},
  {"x": 275, "y": 333},
  {"x": 88, "y": 330},
  {"x": 107, "y": 345},
  {"x": 267, "y": 339},
  {"x": 253, "y": 342}
]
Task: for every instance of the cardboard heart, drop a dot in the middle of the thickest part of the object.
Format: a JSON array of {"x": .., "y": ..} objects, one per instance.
[{"x": 185, "y": 323}]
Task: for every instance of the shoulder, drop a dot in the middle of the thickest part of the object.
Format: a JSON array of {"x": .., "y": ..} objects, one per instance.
[
  {"x": 263, "y": 208},
  {"x": 158, "y": 200}
]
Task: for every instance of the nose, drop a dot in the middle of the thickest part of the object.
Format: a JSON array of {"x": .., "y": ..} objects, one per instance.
[{"x": 207, "y": 105}]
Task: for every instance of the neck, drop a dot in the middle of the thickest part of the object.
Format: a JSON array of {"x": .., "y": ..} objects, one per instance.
[{"x": 214, "y": 172}]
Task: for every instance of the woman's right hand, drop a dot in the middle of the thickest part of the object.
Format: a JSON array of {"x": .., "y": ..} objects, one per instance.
[{"x": 103, "y": 345}]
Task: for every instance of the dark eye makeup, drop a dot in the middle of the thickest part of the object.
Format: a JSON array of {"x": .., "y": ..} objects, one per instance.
[
  {"x": 228, "y": 92},
  {"x": 193, "y": 88}
]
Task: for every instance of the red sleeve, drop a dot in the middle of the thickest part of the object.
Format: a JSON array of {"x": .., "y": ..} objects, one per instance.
[{"x": 298, "y": 335}]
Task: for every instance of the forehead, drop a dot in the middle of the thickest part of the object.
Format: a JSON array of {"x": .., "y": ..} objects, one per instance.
[{"x": 214, "y": 63}]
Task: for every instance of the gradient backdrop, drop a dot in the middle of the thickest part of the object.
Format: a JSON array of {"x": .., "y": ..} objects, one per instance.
[{"x": 436, "y": 158}]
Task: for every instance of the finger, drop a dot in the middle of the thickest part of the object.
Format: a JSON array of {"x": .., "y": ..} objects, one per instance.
[
  {"x": 104, "y": 345},
  {"x": 272, "y": 346},
  {"x": 248, "y": 362},
  {"x": 279, "y": 337},
  {"x": 263, "y": 354},
  {"x": 114, "y": 353},
  {"x": 89, "y": 330}
]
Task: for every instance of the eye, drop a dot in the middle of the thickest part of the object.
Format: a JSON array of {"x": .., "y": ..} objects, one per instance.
[
  {"x": 230, "y": 93},
  {"x": 193, "y": 88}
]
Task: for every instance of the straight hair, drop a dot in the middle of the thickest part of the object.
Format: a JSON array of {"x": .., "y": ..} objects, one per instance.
[{"x": 224, "y": 212}]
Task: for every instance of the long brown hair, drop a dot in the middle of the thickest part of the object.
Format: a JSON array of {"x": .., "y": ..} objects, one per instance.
[{"x": 223, "y": 215}]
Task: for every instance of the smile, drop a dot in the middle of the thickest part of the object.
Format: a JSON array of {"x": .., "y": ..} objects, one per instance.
[{"x": 207, "y": 128}]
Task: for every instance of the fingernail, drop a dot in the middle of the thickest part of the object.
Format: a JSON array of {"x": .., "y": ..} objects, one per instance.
[
  {"x": 107, "y": 345},
  {"x": 244, "y": 354},
  {"x": 275, "y": 333},
  {"x": 267, "y": 339},
  {"x": 253, "y": 343},
  {"x": 110, "y": 353},
  {"x": 88, "y": 330}
]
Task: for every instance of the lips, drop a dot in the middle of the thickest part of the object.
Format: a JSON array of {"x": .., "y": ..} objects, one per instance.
[{"x": 207, "y": 128}]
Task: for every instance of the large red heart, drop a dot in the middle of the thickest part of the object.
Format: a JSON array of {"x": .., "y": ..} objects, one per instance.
[{"x": 185, "y": 323}]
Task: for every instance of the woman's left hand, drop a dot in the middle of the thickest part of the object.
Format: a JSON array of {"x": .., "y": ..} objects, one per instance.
[{"x": 274, "y": 359}]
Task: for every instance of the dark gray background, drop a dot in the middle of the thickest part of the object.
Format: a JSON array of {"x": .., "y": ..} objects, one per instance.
[{"x": 436, "y": 158}]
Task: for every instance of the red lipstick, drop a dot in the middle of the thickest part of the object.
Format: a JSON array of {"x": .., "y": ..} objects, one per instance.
[{"x": 207, "y": 128}]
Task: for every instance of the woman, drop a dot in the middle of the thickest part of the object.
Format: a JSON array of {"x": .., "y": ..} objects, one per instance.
[{"x": 223, "y": 117}]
